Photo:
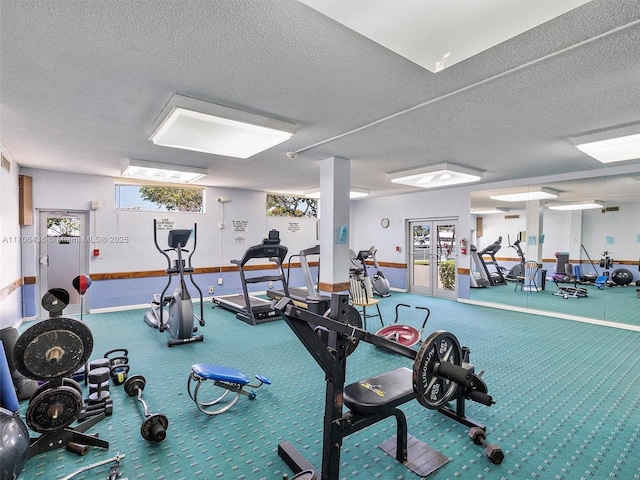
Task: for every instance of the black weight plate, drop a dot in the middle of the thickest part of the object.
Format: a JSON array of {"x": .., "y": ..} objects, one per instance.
[
  {"x": 147, "y": 428},
  {"x": 53, "y": 409},
  {"x": 55, "y": 300},
  {"x": 133, "y": 384},
  {"x": 53, "y": 348},
  {"x": 431, "y": 390}
]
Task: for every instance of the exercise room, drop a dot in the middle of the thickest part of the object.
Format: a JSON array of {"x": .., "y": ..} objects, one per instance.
[{"x": 320, "y": 240}]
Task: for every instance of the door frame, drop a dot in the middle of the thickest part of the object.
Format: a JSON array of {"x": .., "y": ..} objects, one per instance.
[
  {"x": 43, "y": 260},
  {"x": 433, "y": 288}
]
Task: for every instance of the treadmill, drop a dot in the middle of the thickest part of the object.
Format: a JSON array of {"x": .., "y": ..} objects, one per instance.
[
  {"x": 496, "y": 277},
  {"x": 305, "y": 297},
  {"x": 250, "y": 309}
]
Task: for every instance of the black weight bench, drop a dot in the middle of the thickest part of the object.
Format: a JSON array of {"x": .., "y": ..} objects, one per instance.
[{"x": 377, "y": 398}]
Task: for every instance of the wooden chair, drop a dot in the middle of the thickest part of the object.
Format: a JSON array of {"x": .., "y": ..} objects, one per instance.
[
  {"x": 361, "y": 295},
  {"x": 528, "y": 277}
]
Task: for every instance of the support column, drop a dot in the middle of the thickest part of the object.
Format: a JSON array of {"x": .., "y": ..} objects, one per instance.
[
  {"x": 335, "y": 179},
  {"x": 575, "y": 236},
  {"x": 534, "y": 230}
]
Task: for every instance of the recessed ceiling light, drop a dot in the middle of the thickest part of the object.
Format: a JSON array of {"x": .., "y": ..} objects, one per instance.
[
  {"x": 585, "y": 205},
  {"x": 162, "y": 172},
  {"x": 195, "y": 125},
  {"x": 615, "y": 145},
  {"x": 433, "y": 176},
  {"x": 537, "y": 194}
]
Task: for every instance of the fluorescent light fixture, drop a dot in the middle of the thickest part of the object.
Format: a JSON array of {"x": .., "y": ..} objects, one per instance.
[
  {"x": 162, "y": 172},
  {"x": 584, "y": 205},
  {"x": 353, "y": 193},
  {"x": 489, "y": 211},
  {"x": 611, "y": 145},
  {"x": 433, "y": 176},
  {"x": 537, "y": 194},
  {"x": 193, "y": 124}
]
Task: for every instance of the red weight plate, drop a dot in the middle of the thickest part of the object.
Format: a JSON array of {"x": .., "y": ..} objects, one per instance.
[{"x": 402, "y": 334}]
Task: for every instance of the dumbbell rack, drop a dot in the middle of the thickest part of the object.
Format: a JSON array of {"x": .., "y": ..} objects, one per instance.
[{"x": 50, "y": 351}]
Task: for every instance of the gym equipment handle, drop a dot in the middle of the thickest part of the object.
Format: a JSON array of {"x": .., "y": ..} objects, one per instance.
[
  {"x": 466, "y": 380},
  {"x": 480, "y": 397}
]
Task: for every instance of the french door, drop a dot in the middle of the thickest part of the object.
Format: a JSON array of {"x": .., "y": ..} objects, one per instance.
[{"x": 433, "y": 257}]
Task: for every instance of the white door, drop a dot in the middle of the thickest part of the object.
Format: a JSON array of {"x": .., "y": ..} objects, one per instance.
[
  {"x": 63, "y": 255},
  {"x": 433, "y": 257}
]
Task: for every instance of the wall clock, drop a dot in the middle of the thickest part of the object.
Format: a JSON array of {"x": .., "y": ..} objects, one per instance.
[{"x": 384, "y": 222}]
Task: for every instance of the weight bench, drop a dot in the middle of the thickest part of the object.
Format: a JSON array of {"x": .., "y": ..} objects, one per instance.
[
  {"x": 376, "y": 398},
  {"x": 229, "y": 379}
]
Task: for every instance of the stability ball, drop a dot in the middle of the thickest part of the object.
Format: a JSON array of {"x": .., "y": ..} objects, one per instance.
[
  {"x": 621, "y": 277},
  {"x": 14, "y": 444}
]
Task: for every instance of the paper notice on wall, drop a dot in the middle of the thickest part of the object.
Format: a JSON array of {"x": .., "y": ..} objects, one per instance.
[
  {"x": 293, "y": 227},
  {"x": 240, "y": 225},
  {"x": 610, "y": 240},
  {"x": 165, "y": 224}
]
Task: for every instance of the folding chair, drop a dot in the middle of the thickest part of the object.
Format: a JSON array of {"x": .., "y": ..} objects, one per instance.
[
  {"x": 528, "y": 277},
  {"x": 361, "y": 294}
]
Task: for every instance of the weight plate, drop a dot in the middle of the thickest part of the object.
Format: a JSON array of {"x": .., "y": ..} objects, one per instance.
[
  {"x": 133, "y": 384},
  {"x": 53, "y": 348},
  {"x": 55, "y": 300},
  {"x": 53, "y": 409},
  {"x": 431, "y": 390},
  {"x": 154, "y": 428},
  {"x": 403, "y": 334}
]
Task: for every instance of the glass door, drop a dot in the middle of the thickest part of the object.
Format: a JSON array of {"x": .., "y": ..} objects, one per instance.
[{"x": 433, "y": 258}]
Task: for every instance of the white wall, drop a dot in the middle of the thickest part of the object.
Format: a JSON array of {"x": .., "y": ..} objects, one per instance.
[
  {"x": 367, "y": 231},
  {"x": 216, "y": 247},
  {"x": 10, "y": 270}
]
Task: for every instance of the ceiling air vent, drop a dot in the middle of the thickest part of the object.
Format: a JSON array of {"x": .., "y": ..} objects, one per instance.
[
  {"x": 511, "y": 217},
  {"x": 610, "y": 209}
]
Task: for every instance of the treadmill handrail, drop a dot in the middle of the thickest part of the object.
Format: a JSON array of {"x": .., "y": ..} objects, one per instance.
[{"x": 263, "y": 251}]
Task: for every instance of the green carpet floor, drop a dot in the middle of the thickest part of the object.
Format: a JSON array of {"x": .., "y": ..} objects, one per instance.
[
  {"x": 612, "y": 304},
  {"x": 567, "y": 393}
]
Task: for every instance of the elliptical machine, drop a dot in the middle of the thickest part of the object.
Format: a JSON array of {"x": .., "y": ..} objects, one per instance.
[{"x": 178, "y": 315}]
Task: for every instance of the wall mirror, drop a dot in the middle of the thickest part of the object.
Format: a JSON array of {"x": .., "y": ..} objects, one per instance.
[{"x": 568, "y": 242}]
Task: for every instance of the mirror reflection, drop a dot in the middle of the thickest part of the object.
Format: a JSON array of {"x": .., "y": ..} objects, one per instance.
[{"x": 575, "y": 252}]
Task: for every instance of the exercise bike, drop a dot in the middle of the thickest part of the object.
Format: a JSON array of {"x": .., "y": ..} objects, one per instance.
[
  {"x": 379, "y": 282},
  {"x": 517, "y": 270},
  {"x": 174, "y": 313}
]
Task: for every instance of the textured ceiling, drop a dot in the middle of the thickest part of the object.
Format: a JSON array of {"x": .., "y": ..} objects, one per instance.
[{"x": 81, "y": 83}]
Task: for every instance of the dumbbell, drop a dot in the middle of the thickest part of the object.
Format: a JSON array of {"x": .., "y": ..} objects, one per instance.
[
  {"x": 154, "y": 427},
  {"x": 493, "y": 451},
  {"x": 93, "y": 409}
]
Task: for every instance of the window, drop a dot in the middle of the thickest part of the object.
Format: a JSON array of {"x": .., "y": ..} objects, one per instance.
[
  {"x": 159, "y": 198},
  {"x": 291, "y": 206}
]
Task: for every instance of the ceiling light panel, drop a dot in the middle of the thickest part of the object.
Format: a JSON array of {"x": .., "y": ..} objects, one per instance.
[
  {"x": 540, "y": 194},
  {"x": 353, "y": 193},
  {"x": 489, "y": 211},
  {"x": 192, "y": 124},
  {"x": 161, "y": 172},
  {"x": 434, "y": 176},
  {"x": 587, "y": 205}
]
